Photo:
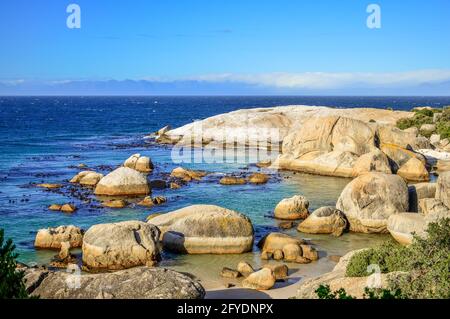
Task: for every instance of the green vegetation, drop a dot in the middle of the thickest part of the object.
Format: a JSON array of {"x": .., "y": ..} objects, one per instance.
[
  {"x": 425, "y": 116},
  {"x": 427, "y": 261},
  {"x": 11, "y": 280},
  {"x": 324, "y": 292}
]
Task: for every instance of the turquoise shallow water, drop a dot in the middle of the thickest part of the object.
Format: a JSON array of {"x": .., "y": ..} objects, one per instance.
[{"x": 43, "y": 139}]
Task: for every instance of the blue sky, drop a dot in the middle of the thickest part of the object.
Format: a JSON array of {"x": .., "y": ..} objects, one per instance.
[{"x": 286, "y": 44}]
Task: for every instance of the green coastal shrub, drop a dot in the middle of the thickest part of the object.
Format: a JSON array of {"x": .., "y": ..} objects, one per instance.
[
  {"x": 11, "y": 280},
  {"x": 425, "y": 116},
  {"x": 427, "y": 260},
  {"x": 443, "y": 126},
  {"x": 324, "y": 292},
  {"x": 389, "y": 256}
]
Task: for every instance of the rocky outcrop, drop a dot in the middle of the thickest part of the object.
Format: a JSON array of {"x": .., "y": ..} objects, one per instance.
[
  {"x": 370, "y": 199},
  {"x": 139, "y": 163},
  {"x": 295, "y": 207},
  {"x": 205, "y": 229},
  {"x": 263, "y": 279},
  {"x": 325, "y": 220},
  {"x": 401, "y": 226},
  {"x": 414, "y": 170},
  {"x": 135, "y": 283},
  {"x": 52, "y": 238},
  {"x": 443, "y": 188},
  {"x": 87, "y": 178},
  {"x": 282, "y": 120},
  {"x": 123, "y": 181},
  {"x": 121, "y": 245}
]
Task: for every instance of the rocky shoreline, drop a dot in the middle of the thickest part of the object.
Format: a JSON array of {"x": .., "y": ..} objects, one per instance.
[{"x": 384, "y": 197}]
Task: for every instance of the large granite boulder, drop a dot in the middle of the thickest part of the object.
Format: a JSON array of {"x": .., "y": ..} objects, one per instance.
[
  {"x": 325, "y": 220},
  {"x": 402, "y": 226},
  {"x": 121, "y": 245},
  {"x": 370, "y": 199},
  {"x": 374, "y": 161},
  {"x": 443, "y": 188},
  {"x": 51, "y": 238},
  {"x": 432, "y": 206},
  {"x": 123, "y": 181},
  {"x": 139, "y": 163},
  {"x": 263, "y": 279},
  {"x": 205, "y": 229},
  {"x": 420, "y": 191},
  {"x": 399, "y": 156},
  {"x": 281, "y": 246},
  {"x": 327, "y": 146},
  {"x": 135, "y": 283},
  {"x": 414, "y": 170},
  {"x": 295, "y": 207}
]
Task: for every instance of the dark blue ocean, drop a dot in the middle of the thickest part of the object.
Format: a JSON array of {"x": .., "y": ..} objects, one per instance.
[{"x": 43, "y": 139}]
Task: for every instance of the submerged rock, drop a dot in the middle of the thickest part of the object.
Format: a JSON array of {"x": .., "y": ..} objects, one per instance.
[
  {"x": 205, "y": 229},
  {"x": 135, "y": 283},
  {"x": 121, "y": 245},
  {"x": 231, "y": 180},
  {"x": 370, "y": 199},
  {"x": 187, "y": 175},
  {"x": 295, "y": 207},
  {"x": 325, "y": 220},
  {"x": 258, "y": 178},
  {"x": 123, "y": 181},
  {"x": 68, "y": 208},
  {"x": 55, "y": 207},
  {"x": 115, "y": 203},
  {"x": 139, "y": 163},
  {"x": 53, "y": 237},
  {"x": 49, "y": 186}
]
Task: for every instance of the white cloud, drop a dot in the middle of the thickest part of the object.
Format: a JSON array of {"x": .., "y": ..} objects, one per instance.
[{"x": 325, "y": 80}]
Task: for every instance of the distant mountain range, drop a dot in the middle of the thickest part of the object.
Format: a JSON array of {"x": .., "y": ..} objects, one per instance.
[{"x": 205, "y": 87}]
